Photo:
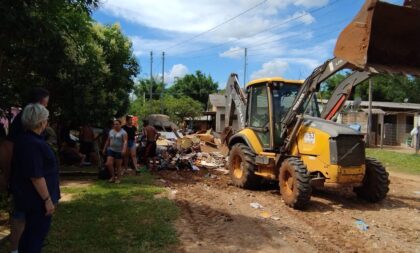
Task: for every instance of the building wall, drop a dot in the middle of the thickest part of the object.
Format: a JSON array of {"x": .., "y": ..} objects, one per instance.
[
  {"x": 220, "y": 120},
  {"x": 401, "y": 125},
  {"x": 360, "y": 118},
  {"x": 416, "y": 124}
]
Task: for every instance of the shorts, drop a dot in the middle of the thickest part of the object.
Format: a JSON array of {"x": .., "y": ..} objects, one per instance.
[
  {"x": 150, "y": 149},
  {"x": 115, "y": 155},
  {"x": 131, "y": 144}
]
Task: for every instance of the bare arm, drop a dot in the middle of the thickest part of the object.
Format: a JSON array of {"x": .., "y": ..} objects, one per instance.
[
  {"x": 125, "y": 143},
  {"x": 157, "y": 134},
  {"x": 41, "y": 187},
  {"x": 106, "y": 145}
]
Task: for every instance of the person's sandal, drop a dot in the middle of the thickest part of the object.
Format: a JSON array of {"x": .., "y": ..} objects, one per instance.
[{"x": 111, "y": 180}]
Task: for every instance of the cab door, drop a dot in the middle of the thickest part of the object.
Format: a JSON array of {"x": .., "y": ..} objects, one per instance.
[{"x": 258, "y": 115}]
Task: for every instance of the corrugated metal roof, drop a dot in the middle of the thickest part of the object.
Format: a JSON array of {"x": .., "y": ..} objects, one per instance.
[
  {"x": 374, "y": 111},
  {"x": 394, "y": 105}
]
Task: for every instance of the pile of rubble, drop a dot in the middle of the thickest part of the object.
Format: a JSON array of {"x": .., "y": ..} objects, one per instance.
[{"x": 190, "y": 152}]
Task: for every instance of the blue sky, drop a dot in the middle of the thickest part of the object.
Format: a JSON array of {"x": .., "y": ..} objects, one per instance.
[{"x": 287, "y": 38}]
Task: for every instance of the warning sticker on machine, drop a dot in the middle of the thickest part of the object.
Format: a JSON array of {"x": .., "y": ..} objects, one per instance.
[{"x": 309, "y": 138}]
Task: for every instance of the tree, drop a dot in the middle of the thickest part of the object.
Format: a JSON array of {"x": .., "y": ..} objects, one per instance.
[
  {"x": 176, "y": 108},
  {"x": 142, "y": 89},
  {"x": 184, "y": 107},
  {"x": 87, "y": 67},
  {"x": 386, "y": 87},
  {"x": 330, "y": 84},
  {"x": 197, "y": 86}
]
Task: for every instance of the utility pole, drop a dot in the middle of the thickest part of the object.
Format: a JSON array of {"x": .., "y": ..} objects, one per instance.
[
  {"x": 151, "y": 75},
  {"x": 163, "y": 67},
  {"x": 369, "y": 126},
  {"x": 163, "y": 82},
  {"x": 245, "y": 65}
]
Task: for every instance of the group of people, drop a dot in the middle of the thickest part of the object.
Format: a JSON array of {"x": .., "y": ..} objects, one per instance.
[
  {"x": 120, "y": 146},
  {"x": 29, "y": 157},
  {"x": 34, "y": 176}
]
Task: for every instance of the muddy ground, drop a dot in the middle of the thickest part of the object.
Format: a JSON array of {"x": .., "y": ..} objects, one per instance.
[{"x": 217, "y": 217}]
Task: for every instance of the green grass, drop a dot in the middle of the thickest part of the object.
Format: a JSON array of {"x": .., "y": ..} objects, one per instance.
[
  {"x": 395, "y": 161},
  {"x": 107, "y": 217}
]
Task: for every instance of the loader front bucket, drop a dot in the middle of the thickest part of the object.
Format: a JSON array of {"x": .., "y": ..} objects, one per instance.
[{"x": 382, "y": 36}]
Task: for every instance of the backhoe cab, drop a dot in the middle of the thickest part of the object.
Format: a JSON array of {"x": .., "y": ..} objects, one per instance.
[{"x": 284, "y": 136}]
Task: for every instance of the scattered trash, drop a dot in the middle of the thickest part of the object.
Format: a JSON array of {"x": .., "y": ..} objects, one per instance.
[
  {"x": 265, "y": 214},
  {"x": 361, "y": 225},
  {"x": 223, "y": 170},
  {"x": 211, "y": 144},
  {"x": 275, "y": 218},
  {"x": 209, "y": 175},
  {"x": 256, "y": 205},
  {"x": 209, "y": 165},
  {"x": 176, "y": 152},
  {"x": 417, "y": 192}
]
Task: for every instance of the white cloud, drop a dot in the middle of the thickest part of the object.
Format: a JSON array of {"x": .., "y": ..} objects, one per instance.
[
  {"x": 304, "y": 17},
  {"x": 310, "y": 3},
  {"x": 178, "y": 20},
  {"x": 233, "y": 53},
  {"x": 177, "y": 71},
  {"x": 276, "y": 67}
]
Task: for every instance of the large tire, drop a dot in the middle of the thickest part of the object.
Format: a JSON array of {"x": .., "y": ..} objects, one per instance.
[
  {"x": 375, "y": 184},
  {"x": 242, "y": 166},
  {"x": 295, "y": 183}
]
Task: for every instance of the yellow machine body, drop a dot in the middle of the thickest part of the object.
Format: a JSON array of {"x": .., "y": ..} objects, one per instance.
[{"x": 314, "y": 151}]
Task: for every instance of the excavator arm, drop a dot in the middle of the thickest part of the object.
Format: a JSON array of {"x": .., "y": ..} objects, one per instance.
[
  {"x": 294, "y": 117},
  {"x": 382, "y": 38},
  {"x": 235, "y": 100},
  {"x": 342, "y": 92}
]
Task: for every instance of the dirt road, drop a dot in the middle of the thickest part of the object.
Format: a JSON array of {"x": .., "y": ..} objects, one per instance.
[{"x": 217, "y": 217}]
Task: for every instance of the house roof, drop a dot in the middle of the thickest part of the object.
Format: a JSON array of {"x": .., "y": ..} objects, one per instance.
[
  {"x": 394, "y": 105},
  {"x": 217, "y": 100},
  {"x": 374, "y": 111},
  {"x": 383, "y": 105}
]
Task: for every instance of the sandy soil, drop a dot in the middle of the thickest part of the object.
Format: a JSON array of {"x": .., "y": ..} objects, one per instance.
[{"x": 217, "y": 217}]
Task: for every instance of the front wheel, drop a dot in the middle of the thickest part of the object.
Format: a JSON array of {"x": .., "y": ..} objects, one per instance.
[
  {"x": 295, "y": 183},
  {"x": 375, "y": 184},
  {"x": 242, "y": 166}
]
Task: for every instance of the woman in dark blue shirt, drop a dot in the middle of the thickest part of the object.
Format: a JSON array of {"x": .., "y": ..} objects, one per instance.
[{"x": 34, "y": 180}]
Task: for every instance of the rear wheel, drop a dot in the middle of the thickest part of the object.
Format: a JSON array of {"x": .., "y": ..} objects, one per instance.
[
  {"x": 295, "y": 183},
  {"x": 375, "y": 183},
  {"x": 242, "y": 166}
]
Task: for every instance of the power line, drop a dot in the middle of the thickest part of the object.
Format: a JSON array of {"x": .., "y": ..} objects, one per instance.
[
  {"x": 312, "y": 11},
  {"x": 217, "y": 26},
  {"x": 318, "y": 39},
  {"x": 332, "y": 24}
]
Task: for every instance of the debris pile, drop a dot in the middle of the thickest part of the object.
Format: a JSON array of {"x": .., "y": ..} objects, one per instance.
[{"x": 190, "y": 152}]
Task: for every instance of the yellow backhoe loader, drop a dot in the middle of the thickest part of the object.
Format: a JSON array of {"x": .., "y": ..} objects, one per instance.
[{"x": 284, "y": 136}]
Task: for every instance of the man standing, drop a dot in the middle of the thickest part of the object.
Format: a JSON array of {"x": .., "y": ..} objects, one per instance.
[
  {"x": 151, "y": 136},
  {"x": 87, "y": 138},
  {"x": 131, "y": 131}
]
